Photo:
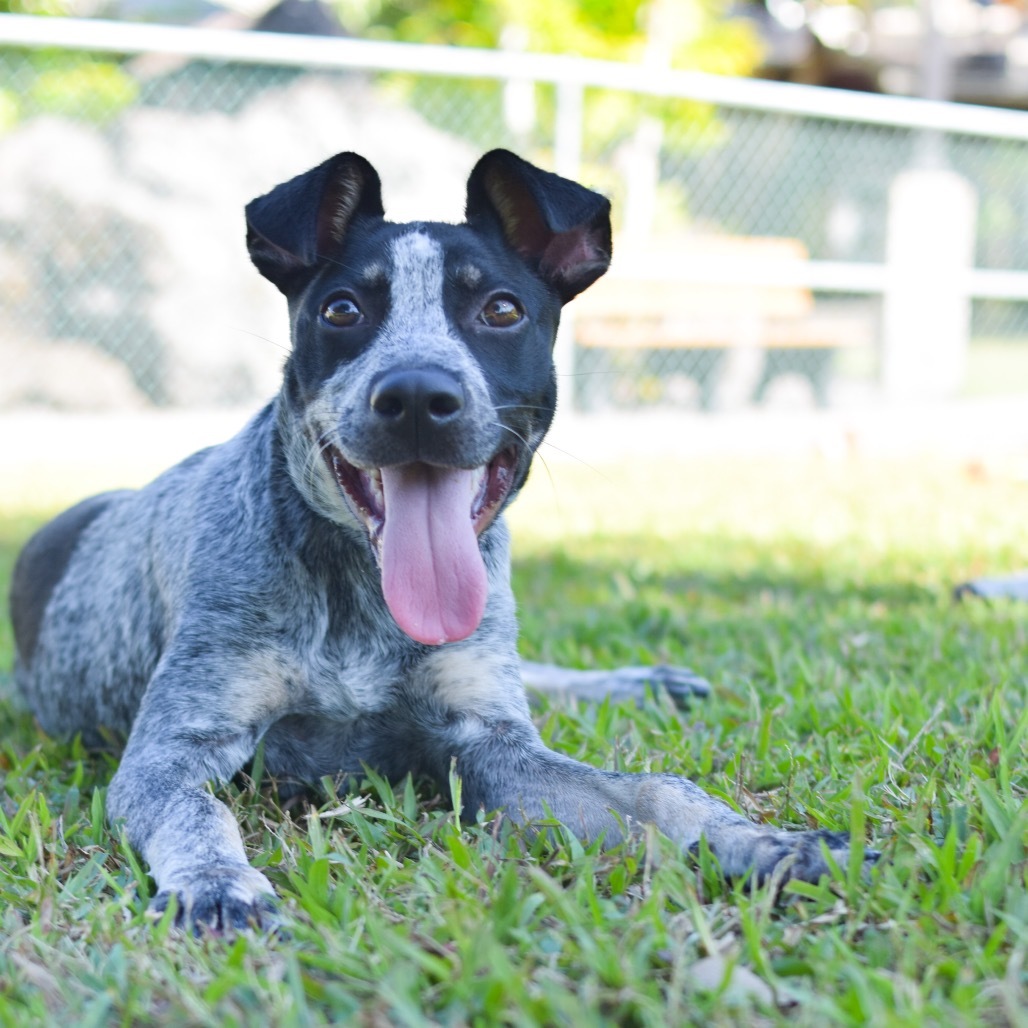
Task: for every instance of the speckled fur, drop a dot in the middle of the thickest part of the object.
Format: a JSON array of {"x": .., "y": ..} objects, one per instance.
[{"x": 237, "y": 599}]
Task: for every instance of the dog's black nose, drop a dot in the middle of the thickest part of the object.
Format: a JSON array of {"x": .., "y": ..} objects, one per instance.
[{"x": 415, "y": 394}]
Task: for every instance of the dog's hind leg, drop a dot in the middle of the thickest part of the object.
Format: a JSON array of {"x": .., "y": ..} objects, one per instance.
[
  {"x": 42, "y": 564},
  {"x": 631, "y": 683}
]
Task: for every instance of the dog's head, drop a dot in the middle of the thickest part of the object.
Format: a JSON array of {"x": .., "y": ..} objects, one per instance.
[{"x": 421, "y": 378}]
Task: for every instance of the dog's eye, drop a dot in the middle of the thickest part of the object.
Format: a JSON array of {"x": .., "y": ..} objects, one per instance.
[
  {"x": 501, "y": 312},
  {"x": 341, "y": 312}
]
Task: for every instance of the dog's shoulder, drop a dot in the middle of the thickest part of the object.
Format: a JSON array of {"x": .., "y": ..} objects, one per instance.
[{"x": 195, "y": 502}]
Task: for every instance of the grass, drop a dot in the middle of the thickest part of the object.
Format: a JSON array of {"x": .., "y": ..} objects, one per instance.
[
  {"x": 996, "y": 366},
  {"x": 851, "y": 692}
]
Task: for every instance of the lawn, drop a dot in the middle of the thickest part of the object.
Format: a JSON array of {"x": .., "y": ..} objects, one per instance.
[{"x": 850, "y": 692}]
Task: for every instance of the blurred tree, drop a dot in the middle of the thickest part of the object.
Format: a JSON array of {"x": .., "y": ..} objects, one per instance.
[
  {"x": 624, "y": 133},
  {"x": 679, "y": 33},
  {"x": 59, "y": 82},
  {"x": 34, "y": 7}
]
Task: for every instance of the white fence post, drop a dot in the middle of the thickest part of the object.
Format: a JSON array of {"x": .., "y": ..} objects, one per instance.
[
  {"x": 567, "y": 161},
  {"x": 926, "y": 311}
]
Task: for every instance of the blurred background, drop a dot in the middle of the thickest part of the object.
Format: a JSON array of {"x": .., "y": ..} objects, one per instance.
[{"x": 821, "y": 207}]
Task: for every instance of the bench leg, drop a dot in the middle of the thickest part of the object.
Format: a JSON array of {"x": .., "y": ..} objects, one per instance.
[
  {"x": 821, "y": 374},
  {"x": 706, "y": 366},
  {"x": 593, "y": 375},
  {"x": 767, "y": 375},
  {"x": 813, "y": 363}
]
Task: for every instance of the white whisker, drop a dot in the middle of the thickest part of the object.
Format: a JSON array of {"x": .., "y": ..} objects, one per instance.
[
  {"x": 517, "y": 435},
  {"x": 542, "y": 459},
  {"x": 584, "y": 463},
  {"x": 315, "y": 453},
  {"x": 284, "y": 347},
  {"x": 519, "y": 406}
]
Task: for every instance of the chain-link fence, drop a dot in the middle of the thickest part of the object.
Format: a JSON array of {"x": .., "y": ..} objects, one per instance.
[{"x": 758, "y": 258}]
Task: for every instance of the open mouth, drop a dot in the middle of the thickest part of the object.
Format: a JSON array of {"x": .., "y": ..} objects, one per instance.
[
  {"x": 488, "y": 487},
  {"x": 423, "y": 522}
]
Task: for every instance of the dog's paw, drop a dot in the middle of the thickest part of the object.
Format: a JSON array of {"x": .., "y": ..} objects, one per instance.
[
  {"x": 1008, "y": 587},
  {"x": 219, "y": 899},
  {"x": 624, "y": 683},
  {"x": 773, "y": 855},
  {"x": 680, "y": 683}
]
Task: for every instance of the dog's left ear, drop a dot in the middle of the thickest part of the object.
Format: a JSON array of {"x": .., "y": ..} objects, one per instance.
[
  {"x": 561, "y": 228},
  {"x": 303, "y": 221}
]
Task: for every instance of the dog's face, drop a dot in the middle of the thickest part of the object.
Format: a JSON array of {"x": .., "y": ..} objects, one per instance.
[{"x": 421, "y": 377}]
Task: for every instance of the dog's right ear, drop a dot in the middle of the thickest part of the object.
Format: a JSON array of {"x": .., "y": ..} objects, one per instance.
[{"x": 304, "y": 220}]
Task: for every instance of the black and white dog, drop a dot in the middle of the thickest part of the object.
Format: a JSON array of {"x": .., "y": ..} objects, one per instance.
[{"x": 334, "y": 581}]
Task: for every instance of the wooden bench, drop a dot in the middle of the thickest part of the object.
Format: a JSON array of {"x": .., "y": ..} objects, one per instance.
[{"x": 707, "y": 295}]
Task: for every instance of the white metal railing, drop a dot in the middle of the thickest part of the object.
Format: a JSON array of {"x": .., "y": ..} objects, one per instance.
[
  {"x": 571, "y": 77},
  {"x": 321, "y": 52}
]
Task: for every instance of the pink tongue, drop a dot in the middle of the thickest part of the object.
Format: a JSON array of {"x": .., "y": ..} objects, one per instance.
[{"x": 433, "y": 577}]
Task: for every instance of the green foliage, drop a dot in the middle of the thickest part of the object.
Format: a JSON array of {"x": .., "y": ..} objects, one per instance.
[
  {"x": 89, "y": 89},
  {"x": 684, "y": 33},
  {"x": 64, "y": 83},
  {"x": 58, "y": 81},
  {"x": 9, "y": 109},
  {"x": 36, "y": 7},
  {"x": 850, "y": 692},
  {"x": 693, "y": 34}
]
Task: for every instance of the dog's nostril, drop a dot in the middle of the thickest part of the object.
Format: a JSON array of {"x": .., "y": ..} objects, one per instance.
[
  {"x": 388, "y": 404},
  {"x": 445, "y": 404},
  {"x": 426, "y": 392}
]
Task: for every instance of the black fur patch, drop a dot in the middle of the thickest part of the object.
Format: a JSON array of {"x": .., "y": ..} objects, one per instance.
[{"x": 41, "y": 565}]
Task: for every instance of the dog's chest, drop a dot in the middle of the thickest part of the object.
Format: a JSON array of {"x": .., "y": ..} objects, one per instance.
[
  {"x": 307, "y": 650},
  {"x": 347, "y": 680},
  {"x": 325, "y": 687},
  {"x": 341, "y": 671}
]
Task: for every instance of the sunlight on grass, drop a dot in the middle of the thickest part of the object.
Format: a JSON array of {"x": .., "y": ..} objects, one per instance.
[
  {"x": 858, "y": 510},
  {"x": 851, "y": 692}
]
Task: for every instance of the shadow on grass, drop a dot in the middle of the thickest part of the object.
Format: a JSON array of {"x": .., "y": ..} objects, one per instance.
[
  {"x": 733, "y": 610},
  {"x": 727, "y": 606},
  {"x": 635, "y": 564},
  {"x": 644, "y": 594}
]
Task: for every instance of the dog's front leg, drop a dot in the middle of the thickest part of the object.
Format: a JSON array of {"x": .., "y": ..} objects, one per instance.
[
  {"x": 504, "y": 765},
  {"x": 189, "y": 839}
]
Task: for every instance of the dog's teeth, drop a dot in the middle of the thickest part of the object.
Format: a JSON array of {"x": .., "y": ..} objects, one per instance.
[
  {"x": 478, "y": 489},
  {"x": 375, "y": 482}
]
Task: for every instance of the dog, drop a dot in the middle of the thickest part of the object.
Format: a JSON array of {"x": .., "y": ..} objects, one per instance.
[{"x": 335, "y": 581}]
